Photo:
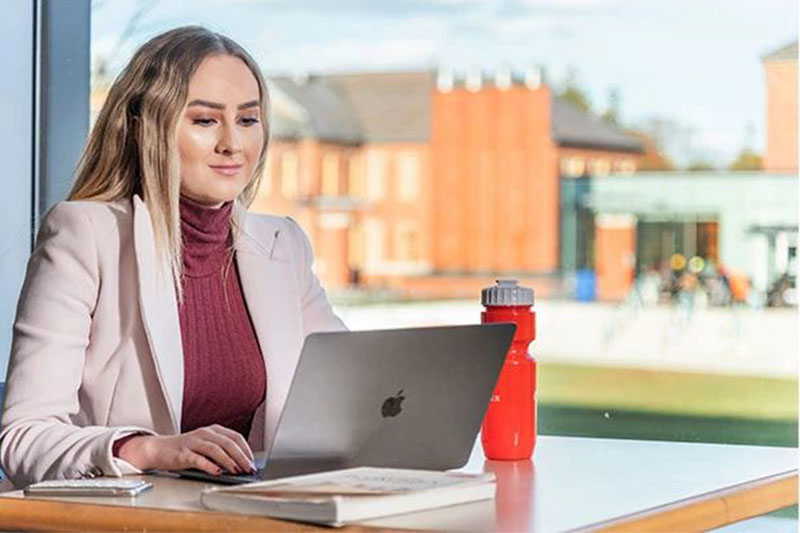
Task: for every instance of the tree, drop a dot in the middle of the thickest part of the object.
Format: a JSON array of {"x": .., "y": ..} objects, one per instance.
[
  {"x": 573, "y": 92},
  {"x": 653, "y": 158},
  {"x": 611, "y": 114},
  {"x": 674, "y": 140},
  {"x": 699, "y": 166},
  {"x": 747, "y": 160}
]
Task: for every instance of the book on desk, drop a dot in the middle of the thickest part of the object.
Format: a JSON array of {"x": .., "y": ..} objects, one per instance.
[{"x": 344, "y": 496}]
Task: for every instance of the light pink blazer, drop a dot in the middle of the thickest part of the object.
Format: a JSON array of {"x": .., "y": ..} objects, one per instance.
[{"x": 96, "y": 352}]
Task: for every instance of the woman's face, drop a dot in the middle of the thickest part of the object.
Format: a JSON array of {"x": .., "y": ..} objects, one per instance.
[{"x": 219, "y": 131}]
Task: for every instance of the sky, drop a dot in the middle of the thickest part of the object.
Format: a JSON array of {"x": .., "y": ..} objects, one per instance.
[{"x": 694, "y": 64}]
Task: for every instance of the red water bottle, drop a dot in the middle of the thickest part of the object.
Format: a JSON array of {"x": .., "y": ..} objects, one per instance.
[{"x": 509, "y": 428}]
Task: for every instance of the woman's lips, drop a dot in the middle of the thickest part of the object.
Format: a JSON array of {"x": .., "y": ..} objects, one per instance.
[{"x": 227, "y": 170}]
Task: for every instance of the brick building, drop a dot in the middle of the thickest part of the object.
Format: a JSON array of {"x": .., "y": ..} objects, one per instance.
[
  {"x": 780, "y": 72},
  {"x": 429, "y": 183}
]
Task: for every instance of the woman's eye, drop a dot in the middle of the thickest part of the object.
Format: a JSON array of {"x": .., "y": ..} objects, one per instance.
[
  {"x": 249, "y": 121},
  {"x": 203, "y": 121}
]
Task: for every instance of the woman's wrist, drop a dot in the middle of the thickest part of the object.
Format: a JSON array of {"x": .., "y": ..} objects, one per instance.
[{"x": 134, "y": 450}]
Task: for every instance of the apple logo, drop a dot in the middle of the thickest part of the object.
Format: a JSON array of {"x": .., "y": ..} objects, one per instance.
[{"x": 391, "y": 406}]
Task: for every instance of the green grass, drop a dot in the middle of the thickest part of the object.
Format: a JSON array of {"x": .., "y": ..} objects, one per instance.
[
  {"x": 626, "y": 424},
  {"x": 676, "y": 393},
  {"x": 585, "y": 401}
]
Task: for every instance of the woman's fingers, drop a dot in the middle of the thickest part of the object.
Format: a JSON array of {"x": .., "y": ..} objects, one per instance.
[
  {"x": 236, "y": 437},
  {"x": 232, "y": 449},
  {"x": 209, "y": 449},
  {"x": 199, "y": 462},
  {"x": 216, "y": 453}
]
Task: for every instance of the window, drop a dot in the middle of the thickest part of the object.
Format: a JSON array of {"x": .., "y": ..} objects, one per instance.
[
  {"x": 626, "y": 166},
  {"x": 355, "y": 248},
  {"x": 289, "y": 174},
  {"x": 355, "y": 176},
  {"x": 390, "y": 181},
  {"x": 330, "y": 174},
  {"x": 373, "y": 235},
  {"x": 408, "y": 177},
  {"x": 376, "y": 175},
  {"x": 572, "y": 167},
  {"x": 600, "y": 167},
  {"x": 406, "y": 244}
]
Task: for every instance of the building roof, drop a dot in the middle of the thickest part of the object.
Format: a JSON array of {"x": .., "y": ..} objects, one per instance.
[
  {"x": 381, "y": 107},
  {"x": 574, "y": 127},
  {"x": 312, "y": 107},
  {"x": 396, "y": 107},
  {"x": 784, "y": 53},
  {"x": 391, "y": 106}
]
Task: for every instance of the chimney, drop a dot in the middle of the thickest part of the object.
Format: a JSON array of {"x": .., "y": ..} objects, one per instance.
[
  {"x": 533, "y": 78},
  {"x": 445, "y": 79},
  {"x": 502, "y": 78},
  {"x": 474, "y": 80}
]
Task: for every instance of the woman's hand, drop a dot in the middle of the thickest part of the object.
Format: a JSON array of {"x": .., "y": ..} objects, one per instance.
[{"x": 211, "y": 449}]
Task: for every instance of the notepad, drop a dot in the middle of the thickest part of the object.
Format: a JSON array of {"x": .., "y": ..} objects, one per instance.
[{"x": 340, "y": 497}]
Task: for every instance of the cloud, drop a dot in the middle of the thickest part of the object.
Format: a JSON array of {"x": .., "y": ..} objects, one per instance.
[
  {"x": 345, "y": 54},
  {"x": 568, "y": 4},
  {"x": 369, "y": 7},
  {"x": 526, "y": 24}
]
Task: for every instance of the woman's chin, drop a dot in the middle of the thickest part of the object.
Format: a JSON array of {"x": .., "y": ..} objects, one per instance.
[{"x": 218, "y": 195}]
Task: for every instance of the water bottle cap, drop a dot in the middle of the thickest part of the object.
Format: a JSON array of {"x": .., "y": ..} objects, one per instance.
[{"x": 507, "y": 292}]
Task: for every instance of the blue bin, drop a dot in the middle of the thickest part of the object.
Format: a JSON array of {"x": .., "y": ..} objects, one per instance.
[{"x": 585, "y": 285}]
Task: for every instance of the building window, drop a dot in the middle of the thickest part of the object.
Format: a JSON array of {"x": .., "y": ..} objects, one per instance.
[
  {"x": 330, "y": 174},
  {"x": 373, "y": 237},
  {"x": 289, "y": 174},
  {"x": 408, "y": 177},
  {"x": 376, "y": 175},
  {"x": 626, "y": 166},
  {"x": 334, "y": 221},
  {"x": 355, "y": 177},
  {"x": 572, "y": 167},
  {"x": 406, "y": 244},
  {"x": 355, "y": 248},
  {"x": 600, "y": 167}
]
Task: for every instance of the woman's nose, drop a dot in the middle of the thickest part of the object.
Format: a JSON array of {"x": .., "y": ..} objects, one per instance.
[{"x": 230, "y": 141}]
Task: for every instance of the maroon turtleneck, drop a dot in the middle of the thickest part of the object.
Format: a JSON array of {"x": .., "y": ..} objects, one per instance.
[{"x": 224, "y": 374}]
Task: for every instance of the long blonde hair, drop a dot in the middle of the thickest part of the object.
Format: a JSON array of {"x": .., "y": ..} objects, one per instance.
[{"x": 132, "y": 146}]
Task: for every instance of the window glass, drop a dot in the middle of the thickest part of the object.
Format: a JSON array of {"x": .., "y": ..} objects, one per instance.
[
  {"x": 650, "y": 202},
  {"x": 376, "y": 175},
  {"x": 408, "y": 176},
  {"x": 330, "y": 174}
]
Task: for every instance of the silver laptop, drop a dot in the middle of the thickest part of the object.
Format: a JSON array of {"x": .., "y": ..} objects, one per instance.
[{"x": 404, "y": 398}]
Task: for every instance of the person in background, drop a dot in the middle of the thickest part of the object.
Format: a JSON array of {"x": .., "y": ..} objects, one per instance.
[{"x": 160, "y": 323}]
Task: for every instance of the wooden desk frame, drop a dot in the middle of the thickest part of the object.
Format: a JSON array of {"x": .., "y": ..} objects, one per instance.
[
  {"x": 713, "y": 509},
  {"x": 702, "y": 512}
]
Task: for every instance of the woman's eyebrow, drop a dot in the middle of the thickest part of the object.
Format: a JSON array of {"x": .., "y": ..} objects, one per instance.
[{"x": 215, "y": 105}]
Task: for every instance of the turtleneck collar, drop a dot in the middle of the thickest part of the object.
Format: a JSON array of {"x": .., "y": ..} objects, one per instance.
[{"x": 205, "y": 232}]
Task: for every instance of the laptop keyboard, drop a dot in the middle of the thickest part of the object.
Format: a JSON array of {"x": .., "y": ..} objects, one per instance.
[{"x": 225, "y": 477}]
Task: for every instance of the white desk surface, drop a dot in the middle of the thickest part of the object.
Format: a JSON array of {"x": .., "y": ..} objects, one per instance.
[{"x": 570, "y": 484}]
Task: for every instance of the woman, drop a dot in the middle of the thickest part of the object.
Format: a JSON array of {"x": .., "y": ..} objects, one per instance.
[{"x": 159, "y": 324}]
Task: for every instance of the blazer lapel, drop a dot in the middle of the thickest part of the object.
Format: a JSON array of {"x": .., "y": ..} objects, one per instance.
[
  {"x": 268, "y": 278},
  {"x": 270, "y": 289},
  {"x": 159, "y": 309}
]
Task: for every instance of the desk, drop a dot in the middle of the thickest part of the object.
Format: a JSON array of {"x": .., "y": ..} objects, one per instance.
[{"x": 576, "y": 484}]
